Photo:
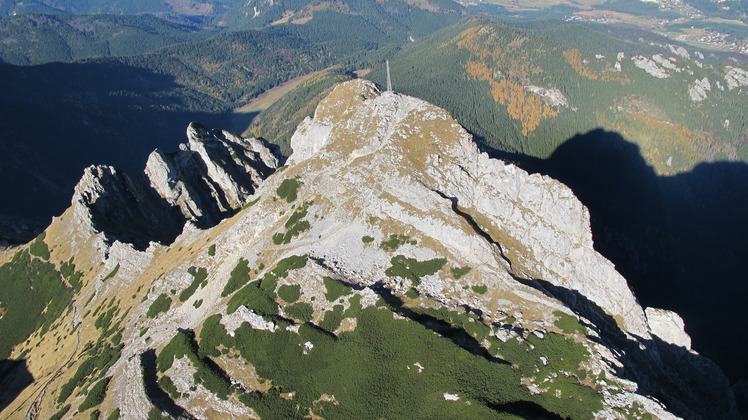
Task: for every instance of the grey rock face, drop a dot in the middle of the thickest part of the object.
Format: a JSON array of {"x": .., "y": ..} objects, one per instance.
[
  {"x": 122, "y": 207},
  {"x": 212, "y": 175},
  {"x": 415, "y": 165},
  {"x": 668, "y": 326},
  {"x": 542, "y": 229},
  {"x": 208, "y": 179}
]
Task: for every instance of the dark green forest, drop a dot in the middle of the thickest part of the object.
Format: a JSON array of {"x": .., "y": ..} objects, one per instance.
[{"x": 37, "y": 39}]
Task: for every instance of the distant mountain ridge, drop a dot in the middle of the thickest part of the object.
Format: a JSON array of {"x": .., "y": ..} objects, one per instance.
[
  {"x": 238, "y": 14},
  {"x": 37, "y": 39}
]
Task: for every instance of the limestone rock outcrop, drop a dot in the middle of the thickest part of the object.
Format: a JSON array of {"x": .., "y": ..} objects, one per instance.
[
  {"x": 668, "y": 326},
  {"x": 542, "y": 230},
  {"x": 211, "y": 175},
  {"x": 411, "y": 164},
  {"x": 208, "y": 179}
]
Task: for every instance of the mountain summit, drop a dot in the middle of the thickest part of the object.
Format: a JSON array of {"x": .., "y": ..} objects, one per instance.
[{"x": 389, "y": 270}]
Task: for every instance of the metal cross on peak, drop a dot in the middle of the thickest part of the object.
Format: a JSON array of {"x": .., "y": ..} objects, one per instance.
[{"x": 389, "y": 81}]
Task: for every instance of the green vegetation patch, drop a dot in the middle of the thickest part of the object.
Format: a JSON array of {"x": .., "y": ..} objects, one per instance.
[
  {"x": 468, "y": 322},
  {"x": 302, "y": 311},
  {"x": 295, "y": 225},
  {"x": 67, "y": 269},
  {"x": 290, "y": 293},
  {"x": 367, "y": 239},
  {"x": 199, "y": 275},
  {"x": 33, "y": 295},
  {"x": 378, "y": 360},
  {"x": 288, "y": 189},
  {"x": 562, "y": 365},
  {"x": 395, "y": 241},
  {"x": 212, "y": 250},
  {"x": 332, "y": 319},
  {"x": 99, "y": 357},
  {"x": 335, "y": 289},
  {"x": 112, "y": 273},
  {"x": 412, "y": 293},
  {"x": 105, "y": 319},
  {"x": 480, "y": 289},
  {"x": 161, "y": 304},
  {"x": 458, "y": 272},
  {"x": 96, "y": 395},
  {"x": 285, "y": 265},
  {"x": 568, "y": 324},
  {"x": 412, "y": 269},
  {"x": 251, "y": 203},
  {"x": 238, "y": 278},
  {"x": 155, "y": 414},
  {"x": 167, "y": 385},
  {"x": 61, "y": 413},
  {"x": 212, "y": 335},
  {"x": 39, "y": 248},
  {"x": 114, "y": 415},
  {"x": 179, "y": 346},
  {"x": 260, "y": 295},
  {"x": 253, "y": 297},
  {"x": 182, "y": 345},
  {"x": 354, "y": 307}
]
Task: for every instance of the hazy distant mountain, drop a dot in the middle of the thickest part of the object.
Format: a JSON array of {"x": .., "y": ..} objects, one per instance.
[{"x": 37, "y": 39}]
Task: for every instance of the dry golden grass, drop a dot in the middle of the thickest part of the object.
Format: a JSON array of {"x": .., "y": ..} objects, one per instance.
[
  {"x": 527, "y": 108},
  {"x": 266, "y": 99},
  {"x": 660, "y": 139}
]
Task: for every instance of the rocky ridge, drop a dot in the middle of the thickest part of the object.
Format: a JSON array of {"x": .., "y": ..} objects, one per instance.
[
  {"x": 208, "y": 179},
  {"x": 387, "y": 197}
]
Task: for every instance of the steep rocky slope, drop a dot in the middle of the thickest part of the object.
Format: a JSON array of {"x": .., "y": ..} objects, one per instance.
[
  {"x": 388, "y": 270},
  {"x": 208, "y": 179}
]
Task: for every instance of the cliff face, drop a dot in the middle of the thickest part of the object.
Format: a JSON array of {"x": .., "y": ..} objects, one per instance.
[
  {"x": 410, "y": 148},
  {"x": 207, "y": 180},
  {"x": 389, "y": 269}
]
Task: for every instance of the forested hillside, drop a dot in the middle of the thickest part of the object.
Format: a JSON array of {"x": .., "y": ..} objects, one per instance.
[
  {"x": 37, "y": 39},
  {"x": 419, "y": 15},
  {"x": 527, "y": 90},
  {"x": 185, "y": 9}
]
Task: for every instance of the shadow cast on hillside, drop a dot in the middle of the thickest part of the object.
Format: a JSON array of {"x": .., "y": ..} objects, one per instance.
[
  {"x": 158, "y": 397},
  {"x": 101, "y": 114},
  {"x": 14, "y": 378},
  {"x": 679, "y": 240},
  {"x": 690, "y": 385}
]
